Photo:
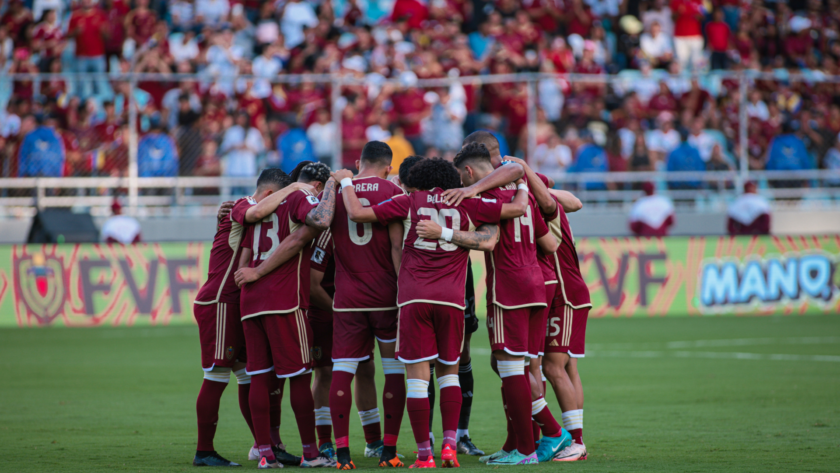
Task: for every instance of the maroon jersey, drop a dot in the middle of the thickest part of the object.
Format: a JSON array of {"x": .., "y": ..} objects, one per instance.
[
  {"x": 548, "y": 264},
  {"x": 364, "y": 271},
  {"x": 285, "y": 289},
  {"x": 220, "y": 286},
  {"x": 435, "y": 271},
  {"x": 514, "y": 277},
  {"x": 574, "y": 290},
  {"x": 323, "y": 261}
]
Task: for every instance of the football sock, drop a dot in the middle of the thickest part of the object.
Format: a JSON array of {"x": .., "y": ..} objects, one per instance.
[
  {"x": 244, "y": 391},
  {"x": 535, "y": 428},
  {"x": 510, "y": 440},
  {"x": 323, "y": 425},
  {"x": 304, "y": 407},
  {"x": 432, "y": 393},
  {"x": 450, "y": 407},
  {"x": 465, "y": 378},
  {"x": 573, "y": 422},
  {"x": 276, "y": 386},
  {"x": 370, "y": 425},
  {"x": 542, "y": 417},
  {"x": 417, "y": 404},
  {"x": 260, "y": 410},
  {"x": 518, "y": 397},
  {"x": 393, "y": 399},
  {"x": 207, "y": 411},
  {"x": 341, "y": 400}
]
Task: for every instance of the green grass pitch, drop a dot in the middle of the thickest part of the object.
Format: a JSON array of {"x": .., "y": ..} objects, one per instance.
[{"x": 664, "y": 394}]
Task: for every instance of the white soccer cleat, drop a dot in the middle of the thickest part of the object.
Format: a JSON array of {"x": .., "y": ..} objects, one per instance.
[
  {"x": 253, "y": 454},
  {"x": 573, "y": 452},
  {"x": 321, "y": 461}
]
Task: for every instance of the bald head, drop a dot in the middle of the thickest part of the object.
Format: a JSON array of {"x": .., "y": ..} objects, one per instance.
[{"x": 489, "y": 141}]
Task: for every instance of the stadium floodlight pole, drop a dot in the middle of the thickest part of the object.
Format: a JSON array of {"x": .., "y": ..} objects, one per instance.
[
  {"x": 335, "y": 96},
  {"x": 133, "y": 199},
  {"x": 532, "y": 119},
  {"x": 744, "y": 174}
]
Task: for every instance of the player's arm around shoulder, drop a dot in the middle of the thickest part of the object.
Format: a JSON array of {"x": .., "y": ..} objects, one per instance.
[
  {"x": 356, "y": 212},
  {"x": 321, "y": 217},
  {"x": 519, "y": 205},
  {"x": 267, "y": 206},
  {"x": 567, "y": 200}
]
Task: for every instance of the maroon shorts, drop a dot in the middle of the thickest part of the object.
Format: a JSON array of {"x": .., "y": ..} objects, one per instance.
[
  {"x": 520, "y": 332},
  {"x": 321, "y": 322},
  {"x": 220, "y": 334},
  {"x": 430, "y": 331},
  {"x": 566, "y": 331},
  {"x": 279, "y": 342},
  {"x": 354, "y": 333}
]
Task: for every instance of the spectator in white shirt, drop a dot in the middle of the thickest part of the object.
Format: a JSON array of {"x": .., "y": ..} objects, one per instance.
[
  {"x": 297, "y": 15},
  {"x": 183, "y": 15},
  {"x": 657, "y": 46},
  {"x": 322, "y": 135},
  {"x": 183, "y": 46},
  {"x": 266, "y": 66},
  {"x": 40, "y": 6},
  {"x": 211, "y": 12},
  {"x": 663, "y": 139},
  {"x": 553, "y": 157},
  {"x": 756, "y": 108},
  {"x": 241, "y": 144},
  {"x": 700, "y": 140},
  {"x": 380, "y": 130}
]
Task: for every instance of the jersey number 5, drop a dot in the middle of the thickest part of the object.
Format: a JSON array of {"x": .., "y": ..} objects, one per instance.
[
  {"x": 367, "y": 228},
  {"x": 440, "y": 219}
]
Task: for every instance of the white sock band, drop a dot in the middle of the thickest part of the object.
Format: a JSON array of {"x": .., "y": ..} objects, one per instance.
[
  {"x": 393, "y": 367},
  {"x": 573, "y": 419},
  {"x": 538, "y": 405},
  {"x": 218, "y": 374},
  {"x": 346, "y": 366},
  {"x": 369, "y": 417},
  {"x": 510, "y": 368},
  {"x": 462, "y": 433},
  {"x": 322, "y": 416},
  {"x": 448, "y": 381},
  {"x": 417, "y": 388},
  {"x": 465, "y": 368},
  {"x": 242, "y": 377}
]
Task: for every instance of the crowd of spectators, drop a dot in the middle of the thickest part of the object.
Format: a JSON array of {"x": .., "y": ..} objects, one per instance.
[{"x": 668, "y": 109}]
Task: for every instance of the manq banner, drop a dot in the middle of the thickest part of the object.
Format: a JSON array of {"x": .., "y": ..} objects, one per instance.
[{"x": 154, "y": 284}]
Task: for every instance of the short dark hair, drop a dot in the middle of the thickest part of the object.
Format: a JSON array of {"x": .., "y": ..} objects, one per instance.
[
  {"x": 472, "y": 152},
  {"x": 273, "y": 177},
  {"x": 315, "y": 172},
  {"x": 484, "y": 137},
  {"x": 295, "y": 174},
  {"x": 405, "y": 169},
  {"x": 436, "y": 172},
  {"x": 377, "y": 153}
]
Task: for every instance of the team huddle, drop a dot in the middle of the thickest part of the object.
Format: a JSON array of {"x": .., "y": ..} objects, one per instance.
[{"x": 316, "y": 269}]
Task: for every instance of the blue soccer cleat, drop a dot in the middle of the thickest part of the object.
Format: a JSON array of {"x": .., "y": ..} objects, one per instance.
[
  {"x": 213, "y": 459},
  {"x": 550, "y": 447}
]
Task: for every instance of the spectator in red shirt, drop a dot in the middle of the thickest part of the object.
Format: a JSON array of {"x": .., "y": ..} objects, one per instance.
[
  {"x": 688, "y": 34},
  {"x": 580, "y": 19},
  {"x": 718, "y": 39},
  {"x": 89, "y": 26},
  {"x": 140, "y": 23},
  {"x": 17, "y": 19},
  {"x": 47, "y": 40},
  {"x": 411, "y": 109},
  {"x": 412, "y": 12}
]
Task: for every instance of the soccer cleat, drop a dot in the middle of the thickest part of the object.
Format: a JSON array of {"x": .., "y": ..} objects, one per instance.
[
  {"x": 266, "y": 464},
  {"x": 550, "y": 447},
  {"x": 390, "y": 458},
  {"x": 493, "y": 456},
  {"x": 285, "y": 457},
  {"x": 466, "y": 447},
  {"x": 327, "y": 449},
  {"x": 254, "y": 454},
  {"x": 573, "y": 452},
  {"x": 321, "y": 461},
  {"x": 374, "y": 449},
  {"x": 515, "y": 458},
  {"x": 213, "y": 459},
  {"x": 430, "y": 463},
  {"x": 448, "y": 457},
  {"x": 343, "y": 461},
  {"x": 345, "y": 466}
]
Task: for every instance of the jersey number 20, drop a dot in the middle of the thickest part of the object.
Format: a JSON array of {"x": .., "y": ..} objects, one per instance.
[{"x": 440, "y": 219}]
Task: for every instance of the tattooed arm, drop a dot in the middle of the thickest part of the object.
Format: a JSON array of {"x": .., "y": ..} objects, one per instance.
[
  {"x": 321, "y": 216},
  {"x": 484, "y": 238},
  {"x": 288, "y": 249}
]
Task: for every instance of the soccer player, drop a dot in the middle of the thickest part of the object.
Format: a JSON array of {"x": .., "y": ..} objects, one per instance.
[
  {"x": 216, "y": 311},
  {"x": 432, "y": 276},
  {"x": 566, "y": 332},
  {"x": 275, "y": 295},
  {"x": 365, "y": 308},
  {"x": 322, "y": 290},
  {"x": 516, "y": 324}
]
